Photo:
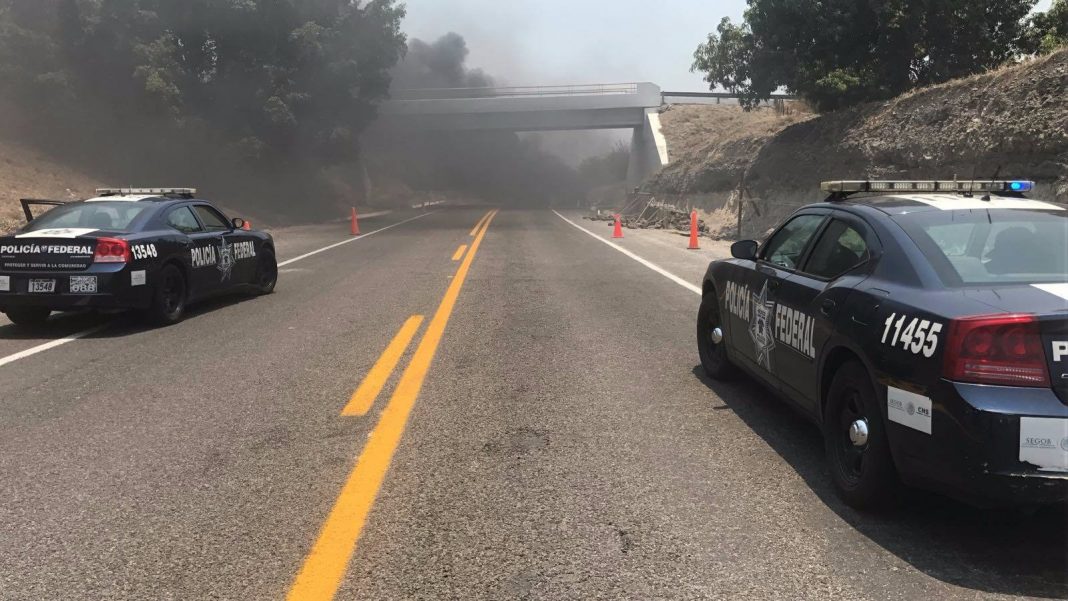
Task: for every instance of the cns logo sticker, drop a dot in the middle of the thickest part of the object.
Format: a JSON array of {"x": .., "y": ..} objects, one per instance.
[
  {"x": 760, "y": 327},
  {"x": 226, "y": 260}
]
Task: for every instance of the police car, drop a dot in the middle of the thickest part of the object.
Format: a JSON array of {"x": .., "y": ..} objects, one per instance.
[
  {"x": 923, "y": 325},
  {"x": 153, "y": 249}
]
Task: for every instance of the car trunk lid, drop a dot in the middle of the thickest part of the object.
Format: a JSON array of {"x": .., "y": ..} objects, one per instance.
[{"x": 49, "y": 250}]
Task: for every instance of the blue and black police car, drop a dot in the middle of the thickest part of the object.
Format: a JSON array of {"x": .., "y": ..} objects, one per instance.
[
  {"x": 923, "y": 325},
  {"x": 151, "y": 249}
]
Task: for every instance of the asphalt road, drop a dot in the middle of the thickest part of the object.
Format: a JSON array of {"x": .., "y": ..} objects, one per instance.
[{"x": 546, "y": 435}]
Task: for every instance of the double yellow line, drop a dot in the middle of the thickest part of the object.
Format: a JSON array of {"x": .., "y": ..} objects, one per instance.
[{"x": 325, "y": 565}]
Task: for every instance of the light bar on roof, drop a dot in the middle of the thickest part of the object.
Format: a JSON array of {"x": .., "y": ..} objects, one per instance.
[
  {"x": 854, "y": 186},
  {"x": 139, "y": 191}
]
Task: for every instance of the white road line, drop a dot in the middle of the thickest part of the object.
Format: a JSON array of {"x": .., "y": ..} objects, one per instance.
[
  {"x": 352, "y": 239},
  {"x": 667, "y": 274},
  {"x": 50, "y": 345},
  {"x": 71, "y": 338}
]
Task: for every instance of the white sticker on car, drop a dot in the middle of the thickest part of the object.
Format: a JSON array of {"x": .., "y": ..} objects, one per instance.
[
  {"x": 908, "y": 409},
  {"x": 5, "y": 283},
  {"x": 144, "y": 251},
  {"x": 1044, "y": 442},
  {"x": 1060, "y": 290},
  {"x": 137, "y": 278},
  {"x": 1060, "y": 350},
  {"x": 83, "y": 284},
  {"x": 916, "y": 336},
  {"x": 66, "y": 232}
]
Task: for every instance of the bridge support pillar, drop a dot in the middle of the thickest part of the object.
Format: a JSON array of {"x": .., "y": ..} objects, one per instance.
[{"x": 648, "y": 150}]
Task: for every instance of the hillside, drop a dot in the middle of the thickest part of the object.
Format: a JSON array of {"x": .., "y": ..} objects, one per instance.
[
  {"x": 25, "y": 173},
  {"x": 1013, "y": 121}
]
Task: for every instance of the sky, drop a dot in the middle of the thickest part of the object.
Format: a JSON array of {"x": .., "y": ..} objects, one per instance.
[{"x": 546, "y": 42}]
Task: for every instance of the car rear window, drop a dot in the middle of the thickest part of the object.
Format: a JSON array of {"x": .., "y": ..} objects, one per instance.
[
  {"x": 992, "y": 246},
  {"x": 115, "y": 216}
]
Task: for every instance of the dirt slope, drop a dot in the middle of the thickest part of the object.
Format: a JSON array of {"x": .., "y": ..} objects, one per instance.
[
  {"x": 1013, "y": 121},
  {"x": 25, "y": 173}
]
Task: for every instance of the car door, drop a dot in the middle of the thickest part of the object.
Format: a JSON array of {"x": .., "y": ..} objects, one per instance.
[
  {"x": 780, "y": 256},
  {"x": 810, "y": 299},
  {"x": 222, "y": 277},
  {"x": 200, "y": 248}
]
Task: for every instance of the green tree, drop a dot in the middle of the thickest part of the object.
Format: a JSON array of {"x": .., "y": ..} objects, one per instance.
[
  {"x": 276, "y": 78},
  {"x": 1049, "y": 30},
  {"x": 837, "y": 53}
]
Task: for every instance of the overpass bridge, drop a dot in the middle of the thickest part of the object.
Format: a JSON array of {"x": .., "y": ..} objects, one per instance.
[{"x": 631, "y": 106}]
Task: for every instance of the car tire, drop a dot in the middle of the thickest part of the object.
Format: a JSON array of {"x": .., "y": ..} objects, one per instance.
[
  {"x": 266, "y": 273},
  {"x": 713, "y": 354},
  {"x": 28, "y": 316},
  {"x": 169, "y": 297},
  {"x": 861, "y": 465}
]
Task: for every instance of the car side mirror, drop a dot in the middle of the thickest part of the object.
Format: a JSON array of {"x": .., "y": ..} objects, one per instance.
[
  {"x": 745, "y": 249},
  {"x": 238, "y": 223}
]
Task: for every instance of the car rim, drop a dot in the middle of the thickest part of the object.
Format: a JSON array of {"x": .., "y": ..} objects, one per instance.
[
  {"x": 853, "y": 436},
  {"x": 268, "y": 274},
  {"x": 713, "y": 333},
  {"x": 172, "y": 293}
]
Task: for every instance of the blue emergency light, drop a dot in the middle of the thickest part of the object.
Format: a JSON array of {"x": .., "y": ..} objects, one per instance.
[{"x": 1020, "y": 186}]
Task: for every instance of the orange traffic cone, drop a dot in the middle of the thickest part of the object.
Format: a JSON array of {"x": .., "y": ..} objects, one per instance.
[
  {"x": 355, "y": 223},
  {"x": 693, "y": 231},
  {"x": 247, "y": 226},
  {"x": 618, "y": 232}
]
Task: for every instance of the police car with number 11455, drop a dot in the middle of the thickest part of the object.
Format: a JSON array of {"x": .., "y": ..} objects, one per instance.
[{"x": 923, "y": 325}]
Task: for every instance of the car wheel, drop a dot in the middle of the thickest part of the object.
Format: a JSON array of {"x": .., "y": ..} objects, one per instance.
[
  {"x": 169, "y": 298},
  {"x": 854, "y": 434},
  {"x": 28, "y": 316},
  {"x": 710, "y": 343},
  {"x": 266, "y": 273}
]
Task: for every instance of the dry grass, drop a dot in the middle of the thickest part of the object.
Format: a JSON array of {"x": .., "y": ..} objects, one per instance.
[
  {"x": 697, "y": 133},
  {"x": 25, "y": 173}
]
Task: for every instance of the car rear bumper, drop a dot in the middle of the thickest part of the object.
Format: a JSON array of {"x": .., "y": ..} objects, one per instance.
[
  {"x": 981, "y": 447},
  {"x": 115, "y": 289}
]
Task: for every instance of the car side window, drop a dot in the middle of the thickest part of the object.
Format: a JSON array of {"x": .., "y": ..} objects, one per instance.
[
  {"x": 213, "y": 221},
  {"x": 786, "y": 246},
  {"x": 183, "y": 220},
  {"x": 839, "y": 249}
]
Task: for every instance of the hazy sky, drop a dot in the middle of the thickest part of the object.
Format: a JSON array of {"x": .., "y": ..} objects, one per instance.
[{"x": 529, "y": 42}]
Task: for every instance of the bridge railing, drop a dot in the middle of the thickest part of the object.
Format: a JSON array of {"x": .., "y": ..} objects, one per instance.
[{"x": 516, "y": 91}]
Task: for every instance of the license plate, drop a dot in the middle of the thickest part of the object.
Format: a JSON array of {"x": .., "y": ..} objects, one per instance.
[
  {"x": 42, "y": 286},
  {"x": 83, "y": 284}
]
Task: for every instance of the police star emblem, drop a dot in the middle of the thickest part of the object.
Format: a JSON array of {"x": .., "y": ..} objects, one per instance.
[
  {"x": 760, "y": 327},
  {"x": 226, "y": 260}
]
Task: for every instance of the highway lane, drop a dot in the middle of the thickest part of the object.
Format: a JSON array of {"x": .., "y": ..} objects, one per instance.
[
  {"x": 291, "y": 242},
  {"x": 563, "y": 445}
]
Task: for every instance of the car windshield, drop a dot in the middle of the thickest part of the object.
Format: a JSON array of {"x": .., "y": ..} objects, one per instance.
[
  {"x": 993, "y": 246},
  {"x": 114, "y": 216}
]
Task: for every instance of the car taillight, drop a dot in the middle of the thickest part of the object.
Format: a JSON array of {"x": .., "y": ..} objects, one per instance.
[
  {"x": 111, "y": 250},
  {"x": 996, "y": 349}
]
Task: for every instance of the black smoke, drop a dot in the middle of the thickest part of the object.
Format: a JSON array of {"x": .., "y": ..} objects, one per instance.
[{"x": 493, "y": 166}]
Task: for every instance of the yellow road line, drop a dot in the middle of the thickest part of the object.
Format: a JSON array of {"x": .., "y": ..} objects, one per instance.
[
  {"x": 372, "y": 384},
  {"x": 459, "y": 252},
  {"x": 478, "y": 225},
  {"x": 325, "y": 565}
]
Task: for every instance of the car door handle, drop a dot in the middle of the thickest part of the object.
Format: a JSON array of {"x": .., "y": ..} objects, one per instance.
[
  {"x": 773, "y": 284},
  {"x": 828, "y": 306}
]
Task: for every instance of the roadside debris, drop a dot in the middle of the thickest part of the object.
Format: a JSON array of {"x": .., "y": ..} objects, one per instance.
[{"x": 643, "y": 211}]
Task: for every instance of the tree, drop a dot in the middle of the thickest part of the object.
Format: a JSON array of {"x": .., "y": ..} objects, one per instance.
[
  {"x": 277, "y": 78},
  {"x": 1049, "y": 30},
  {"x": 725, "y": 59},
  {"x": 837, "y": 53}
]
